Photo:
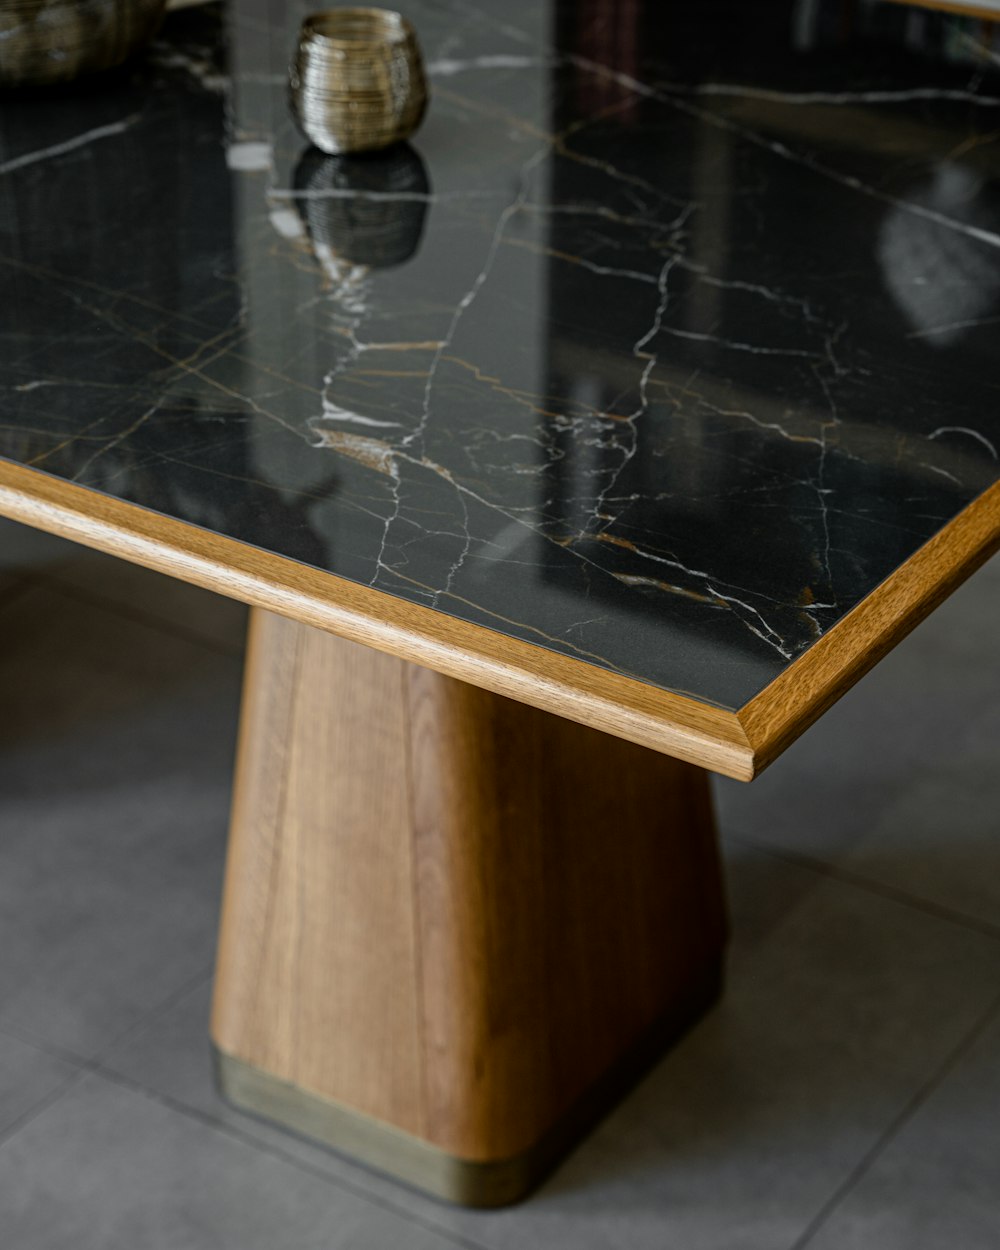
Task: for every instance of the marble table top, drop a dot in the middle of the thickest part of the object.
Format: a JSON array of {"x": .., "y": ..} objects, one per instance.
[{"x": 673, "y": 333}]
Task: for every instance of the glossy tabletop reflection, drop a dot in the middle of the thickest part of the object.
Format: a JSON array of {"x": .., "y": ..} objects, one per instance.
[{"x": 672, "y": 334}]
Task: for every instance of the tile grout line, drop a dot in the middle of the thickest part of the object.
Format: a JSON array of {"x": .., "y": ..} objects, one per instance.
[
  {"x": 92, "y": 1062},
  {"x": 39, "y": 1108},
  {"x": 205, "y": 1120},
  {"x": 846, "y": 877},
  {"x": 154, "y": 1013},
  {"x": 52, "y": 1049},
  {"x": 933, "y": 1082},
  {"x": 94, "y": 1066}
]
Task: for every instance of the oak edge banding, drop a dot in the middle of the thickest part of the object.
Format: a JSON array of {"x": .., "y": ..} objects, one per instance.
[
  {"x": 810, "y": 685},
  {"x": 739, "y": 745},
  {"x": 695, "y": 732},
  {"x": 964, "y": 8}
]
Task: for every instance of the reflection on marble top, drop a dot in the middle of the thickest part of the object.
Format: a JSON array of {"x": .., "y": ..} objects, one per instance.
[{"x": 672, "y": 334}]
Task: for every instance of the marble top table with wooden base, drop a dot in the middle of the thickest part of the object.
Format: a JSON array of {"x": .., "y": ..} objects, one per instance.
[{"x": 601, "y": 438}]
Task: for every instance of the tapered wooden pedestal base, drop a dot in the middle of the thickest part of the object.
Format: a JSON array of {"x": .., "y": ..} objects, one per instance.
[{"x": 455, "y": 928}]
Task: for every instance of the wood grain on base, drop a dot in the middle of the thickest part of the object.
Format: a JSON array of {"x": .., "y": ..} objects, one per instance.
[
  {"x": 320, "y": 875},
  {"x": 445, "y": 909}
]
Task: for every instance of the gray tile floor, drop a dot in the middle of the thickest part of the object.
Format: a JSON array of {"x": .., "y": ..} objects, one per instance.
[{"x": 845, "y": 1094}]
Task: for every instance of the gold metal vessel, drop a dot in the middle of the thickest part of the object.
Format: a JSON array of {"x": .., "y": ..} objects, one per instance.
[
  {"x": 46, "y": 41},
  {"x": 357, "y": 81}
]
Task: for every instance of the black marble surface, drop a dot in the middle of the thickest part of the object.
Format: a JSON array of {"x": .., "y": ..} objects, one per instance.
[{"x": 671, "y": 335}]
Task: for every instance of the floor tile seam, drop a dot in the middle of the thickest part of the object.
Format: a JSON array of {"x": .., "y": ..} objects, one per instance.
[
  {"x": 205, "y": 1120},
  {"x": 845, "y": 876},
  {"x": 913, "y": 1105},
  {"x": 44, "y": 1104},
  {"x": 149, "y": 1018},
  {"x": 53, "y": 1049},
  {"x": 151, "y": 620},
  {"x": 101, "y": 1069},
  {"x": 87, "y": 1062}
]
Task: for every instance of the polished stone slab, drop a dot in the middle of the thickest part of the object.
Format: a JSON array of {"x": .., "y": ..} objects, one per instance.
[{"x": 668, "y": 339}]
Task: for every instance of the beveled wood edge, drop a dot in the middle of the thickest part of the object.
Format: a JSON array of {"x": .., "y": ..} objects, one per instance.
[
  {"x": 965, "y": 8},
  {"x": 737, "y": 744},
  {"x": 787, "y": 707},
  {"x": 669, "y": 723}
]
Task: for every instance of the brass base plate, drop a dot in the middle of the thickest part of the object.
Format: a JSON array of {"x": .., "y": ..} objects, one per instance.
[{"x": 466, "y": 1182}]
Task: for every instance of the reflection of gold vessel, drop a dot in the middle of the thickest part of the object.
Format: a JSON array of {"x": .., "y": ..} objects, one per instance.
[
  {"x": 44, "y": 41},
  {"x": 364, "y": 210}
]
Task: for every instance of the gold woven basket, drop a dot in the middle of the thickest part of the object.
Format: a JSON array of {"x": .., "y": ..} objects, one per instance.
[
  {"x": 46, "y": 41},
  {"x": 357, "y": 81}
]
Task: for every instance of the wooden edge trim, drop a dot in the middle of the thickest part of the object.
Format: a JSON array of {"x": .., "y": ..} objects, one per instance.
[
  {"x": 672, "y": 724},
  {"x": 817, "y": 679},
  {"x": 966, "y": 8}
]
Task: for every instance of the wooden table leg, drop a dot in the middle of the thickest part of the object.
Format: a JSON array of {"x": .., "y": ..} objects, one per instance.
[{"x": 455, "y": 928}]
